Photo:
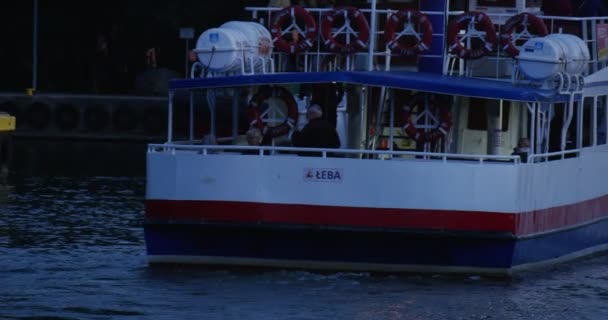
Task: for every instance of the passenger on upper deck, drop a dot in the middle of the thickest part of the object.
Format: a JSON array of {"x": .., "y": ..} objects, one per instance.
[
  {"x": 256, "y": 139},
  {"x": 317, "y": 133},
  {"x": 522, "y": 150},
  {"x": 579, "y": 8},
  {"x": 589, "y": 8},
  {"x": 557, "y": 8}
]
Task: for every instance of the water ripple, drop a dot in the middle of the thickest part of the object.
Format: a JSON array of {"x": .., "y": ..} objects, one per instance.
[{"x": 72, "y": 248}]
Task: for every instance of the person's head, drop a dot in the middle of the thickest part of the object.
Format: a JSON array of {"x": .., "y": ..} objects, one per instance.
[
  {"x": 523, "y": 143},
  {"x": 314, "y": 111},
  {"x": 254, "y": 137}
]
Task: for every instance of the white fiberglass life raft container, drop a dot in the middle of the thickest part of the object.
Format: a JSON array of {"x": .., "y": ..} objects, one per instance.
[
  {"x": 236, "y": 47},
  {"x": 553, "y": 55}
]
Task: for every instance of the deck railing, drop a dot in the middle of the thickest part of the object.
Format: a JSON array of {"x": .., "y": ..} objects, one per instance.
[
  {"x": 496, "y": 65},
  {"x": 269, "y": 151},
  {"x": 542, "y": 157}
]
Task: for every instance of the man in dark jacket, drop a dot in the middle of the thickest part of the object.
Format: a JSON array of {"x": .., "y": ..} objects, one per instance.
[{"x": 317, "y": 133}]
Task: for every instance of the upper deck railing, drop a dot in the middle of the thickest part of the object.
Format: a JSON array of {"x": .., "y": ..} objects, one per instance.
[
  {"x": 496, "y": 64},
  {"x": 270, "y": 151}
]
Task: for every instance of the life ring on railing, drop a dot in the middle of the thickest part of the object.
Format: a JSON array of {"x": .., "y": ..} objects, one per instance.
[
  {"x": 411, "y": 17},
  {"x": 358, "y": 42},
  {"x": 291, "y": 15},
  {"x": 420, "y": 135},
  {"x": 256, "y": 116},
  {"x": 537, "y": 25},
  {"x": 463, "y": 21}
]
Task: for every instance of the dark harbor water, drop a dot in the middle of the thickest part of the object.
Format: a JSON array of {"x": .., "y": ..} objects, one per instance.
[{"x": 72, "y": 248}]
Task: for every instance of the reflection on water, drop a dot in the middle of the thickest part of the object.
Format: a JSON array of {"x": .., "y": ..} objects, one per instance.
[
  {"x": 72, "y": 213},
  {"x": 72, "y": 248},
  {"x": 78, "y": 158}
]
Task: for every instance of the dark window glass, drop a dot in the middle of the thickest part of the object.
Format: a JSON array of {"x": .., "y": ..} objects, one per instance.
[{"x": 478, "y": 115}]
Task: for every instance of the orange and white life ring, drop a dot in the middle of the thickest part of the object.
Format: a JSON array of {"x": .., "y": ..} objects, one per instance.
[
  {"x": 531, "y": 24},
  {"x": 285, "y": 21},
  {"x": 256, "y": 116},
  {"x": 422, "y": 135},
  {"x": 482, "y": 23},
  {"x": 413, "y": 18},
  {"x": 358, "y": 39}
]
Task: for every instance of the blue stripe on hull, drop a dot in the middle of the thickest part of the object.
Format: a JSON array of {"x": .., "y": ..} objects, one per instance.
[
  {"x": 324, "y": 245},
  {"x": 557, "y": 244},
  {"x": 380, "y": 247}
]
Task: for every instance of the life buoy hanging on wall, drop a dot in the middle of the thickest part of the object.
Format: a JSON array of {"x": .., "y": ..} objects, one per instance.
[
  {"x": 421, "y": 135},
  {"x": 256, "y": 116},
  {"x": 482, "y": 23},
  {"x": 359, "y": 38},
  {"x": 409, "y": 18},
  {"x": 531, "y": 24},
  {"x": 285, "y": 21}
]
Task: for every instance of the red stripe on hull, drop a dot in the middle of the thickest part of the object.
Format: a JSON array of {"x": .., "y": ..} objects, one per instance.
[
  {"x": 562, "y": 216},
  {"x": 330, "y": 215},
  {"x": 524, "y": 223}
]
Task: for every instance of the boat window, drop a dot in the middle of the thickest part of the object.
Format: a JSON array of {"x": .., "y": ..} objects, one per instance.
[
  {"x": 478, "y": 114},
  {"x": 588, "y": 122},
  {"x": 496, "y": 3},
  {"x": 601, "y": 121}
]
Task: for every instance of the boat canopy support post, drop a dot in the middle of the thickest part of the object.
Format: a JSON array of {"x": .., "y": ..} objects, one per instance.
[
  {"x": 594, "y": 122},
  {"x": 170, "y": 117},
  {"x": 427, "y": 115},
  {"x": 235, "y": 112},
  {"x": 540, "y": 129},
  {"x": 549, "y": 110},
  {"x": 191, "y": 123},
  {"x": 379, "y": 116},
  {"x": 532, "y": 108},
  {"x": 363, "y": 93},
  {"x": 342, "y": 120},
  {"x": 540, "y": 117},
  {"x": 605, "y": 105},
  {"x": 494, "y": 130},
  {"x": 211, "y": 105},
  {"x": 568, "y": 112},
  {"x": 392, "y": 121},
  {"x": 579, "y": 124}
]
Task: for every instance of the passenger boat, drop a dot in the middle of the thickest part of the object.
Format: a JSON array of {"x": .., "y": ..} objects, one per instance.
[{"x": 429, "y": 103}]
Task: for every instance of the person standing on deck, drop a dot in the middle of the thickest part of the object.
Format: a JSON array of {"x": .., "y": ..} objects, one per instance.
[
  {"x": 317, "y": 133},
  {"x": 522, "y": 149},
  {"x": 589, "y": 8}
]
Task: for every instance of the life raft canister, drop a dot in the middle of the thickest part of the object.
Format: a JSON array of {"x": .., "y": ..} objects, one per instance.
[
  {"x": 409, "y": 18},
  {"x": 287, "y": 18},
  {"x": 420, "y": 135},
  {"x": 482, "y": 23},
  {"x": 531, "y": 24},
  {"x": 348, "y": 16},
  {"x": 256, "y": 116}
]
